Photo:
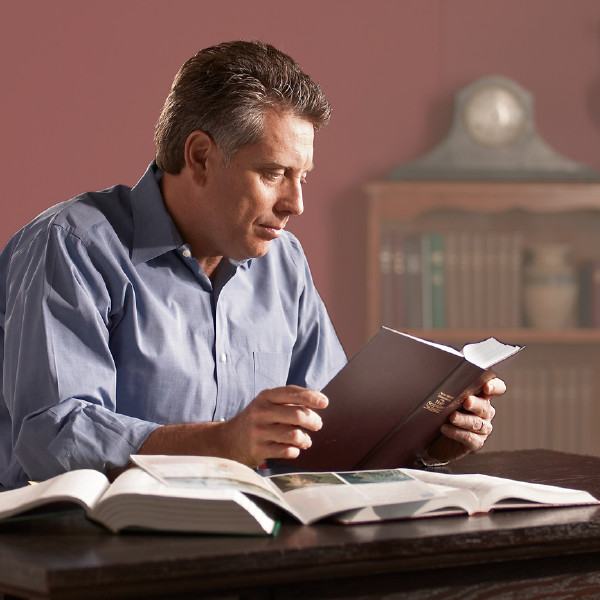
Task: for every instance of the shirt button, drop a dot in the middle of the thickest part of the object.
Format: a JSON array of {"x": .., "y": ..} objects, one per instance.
[
  {"x": 223, "y": 358},
  {"x": 186, "y": 253}
]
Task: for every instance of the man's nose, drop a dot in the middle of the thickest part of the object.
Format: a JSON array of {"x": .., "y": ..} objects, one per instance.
[{"x": 291, "y": 200}]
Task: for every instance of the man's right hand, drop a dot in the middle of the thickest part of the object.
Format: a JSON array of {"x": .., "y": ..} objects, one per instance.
[{"x": 276, "y": 424}]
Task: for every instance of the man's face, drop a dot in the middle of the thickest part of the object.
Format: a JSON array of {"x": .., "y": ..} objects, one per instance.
[{"x": 250, "y": 200}]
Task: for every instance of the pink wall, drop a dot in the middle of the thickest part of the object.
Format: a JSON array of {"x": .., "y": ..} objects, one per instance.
[{"x": 83, "y": 82}]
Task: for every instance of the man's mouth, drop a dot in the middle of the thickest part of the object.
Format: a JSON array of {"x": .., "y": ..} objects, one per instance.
[{"x": 273, "y": 231}]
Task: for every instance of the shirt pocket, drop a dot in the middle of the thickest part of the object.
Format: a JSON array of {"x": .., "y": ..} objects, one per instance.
[{"x": 271, "y": 370}]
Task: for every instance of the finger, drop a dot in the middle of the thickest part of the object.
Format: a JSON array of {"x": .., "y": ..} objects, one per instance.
[
  {"x": 494, "y": 387},
  {"x": 296, "y": 416},
  {"x": 293, "y": 394},
  {"x": 480, "y": 407},
  {"x": 285, "y": 406},
  {"x": 471, "y": 440},
  {"x": 285, "y": 435},
  {"x": 279, "y": 451},
  {"x": 252, "y": 441},
  {"x": 471, "y": 423}
]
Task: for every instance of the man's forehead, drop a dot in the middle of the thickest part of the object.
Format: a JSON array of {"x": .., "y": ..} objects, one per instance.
[{"x": 286, "y": 142}]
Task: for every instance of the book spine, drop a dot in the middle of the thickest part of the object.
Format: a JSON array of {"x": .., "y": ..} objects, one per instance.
[
  {"x": 595, "y": 293},
  {"x": 584, "y": 300},
  {"x": 477, "y": 286},
  {"x": 385, "y": 274},
  {"x": 413, "y": 288},
  {"x": 504, "y": 311},
  {"x": 464, "y": 380},
  {"x": 398, "y": 279},
  {"x": 516, "y": 279},
  {"x": 426, "y": 281},
  {"x": 490, "y": 299},
  {"x": 437, "y": 277},
  {"x": 452, "y": 281},
  {"x": 466, "y": 276}
]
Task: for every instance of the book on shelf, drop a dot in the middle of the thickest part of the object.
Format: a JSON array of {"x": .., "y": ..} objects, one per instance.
[
  {"x": 392, "y": 272},
  {"x": 388, "y": 298},
  {"x": 412, "y": 315},
  {"x": 434, "y": 272},
  {"x": 388, "y": 403},
  {"x": 588, "y": 307},
  {"x": 451, "y": 279},
  {"x": 195, "y": 494}
]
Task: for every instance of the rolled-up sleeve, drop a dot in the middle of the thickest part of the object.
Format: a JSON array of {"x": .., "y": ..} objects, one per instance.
[{"x": 60, "y": 379}]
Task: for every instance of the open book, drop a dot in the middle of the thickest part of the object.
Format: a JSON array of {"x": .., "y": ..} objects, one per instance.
[
  {"x": 213, "y": 495},
  {"x": 209, "y": 495},
  {"x": 388, "y": 403}
]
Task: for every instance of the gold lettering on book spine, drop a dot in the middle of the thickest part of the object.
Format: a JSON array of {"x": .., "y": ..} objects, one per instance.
[{"x": 441, "y": 402}]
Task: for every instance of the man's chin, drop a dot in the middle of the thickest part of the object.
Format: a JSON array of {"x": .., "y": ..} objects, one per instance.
[{"x": 255, "y": 252}]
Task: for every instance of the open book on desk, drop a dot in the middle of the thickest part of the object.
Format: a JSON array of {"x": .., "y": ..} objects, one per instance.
[
  {"x": 208, "y": 495},
  {"x": 388, "y": 403},
  {"x": 213, "y": 495}
]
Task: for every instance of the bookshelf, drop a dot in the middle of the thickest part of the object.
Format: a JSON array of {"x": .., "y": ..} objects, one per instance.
[{"x": 488, "y": 231}]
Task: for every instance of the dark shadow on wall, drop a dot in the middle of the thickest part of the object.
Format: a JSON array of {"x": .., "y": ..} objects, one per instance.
[
  {"x": 349, "y": 299},
  {"x": 593, "y": 97}
]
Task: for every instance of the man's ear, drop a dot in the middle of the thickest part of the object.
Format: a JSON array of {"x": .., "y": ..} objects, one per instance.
[{"x": 198, "y": 147}]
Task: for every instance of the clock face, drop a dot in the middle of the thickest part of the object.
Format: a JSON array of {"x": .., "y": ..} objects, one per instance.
[{"x": 494, "y": 116}]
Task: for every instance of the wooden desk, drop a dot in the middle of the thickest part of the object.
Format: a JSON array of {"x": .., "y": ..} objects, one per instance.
[{"x": 518, "y": 554}]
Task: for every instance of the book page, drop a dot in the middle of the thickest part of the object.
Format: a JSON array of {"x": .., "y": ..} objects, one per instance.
[
  {"x": 306, "y": 496},
  {"x": 443, "y": 347},
  {"x": 499, "y": 492},
  {"x": 446, "y": 500},
  {"x": 139, "y": 482},
  {"x": 513, "y": 494},
  {"x": 83, "y": 487},
  {"x": 207, "y": 472},
  {"x": 488, "y": 352},
  {"x": 317, "y": 495}
]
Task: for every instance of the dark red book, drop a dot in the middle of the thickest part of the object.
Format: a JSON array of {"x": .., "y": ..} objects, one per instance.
[{"x": 388, "y": 403}]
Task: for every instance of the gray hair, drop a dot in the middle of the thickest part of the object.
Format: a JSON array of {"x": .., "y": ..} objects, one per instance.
[{"x": 225, "y": 91}]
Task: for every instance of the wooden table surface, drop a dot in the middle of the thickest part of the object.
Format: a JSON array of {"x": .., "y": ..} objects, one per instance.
[{"x": 511, "y": 554}]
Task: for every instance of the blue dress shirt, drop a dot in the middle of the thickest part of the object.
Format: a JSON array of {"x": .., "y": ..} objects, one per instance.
[{"x": 110, "y": 328}]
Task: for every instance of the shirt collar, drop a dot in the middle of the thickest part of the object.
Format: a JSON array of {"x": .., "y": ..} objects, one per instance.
[{"x": 154, "y": 232}]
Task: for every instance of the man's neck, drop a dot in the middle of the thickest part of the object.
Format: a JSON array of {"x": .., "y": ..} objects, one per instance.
[{"x": 176, "y": 200}]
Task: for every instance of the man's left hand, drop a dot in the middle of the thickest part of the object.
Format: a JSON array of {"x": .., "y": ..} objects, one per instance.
[{"x": 466, "y": 432}]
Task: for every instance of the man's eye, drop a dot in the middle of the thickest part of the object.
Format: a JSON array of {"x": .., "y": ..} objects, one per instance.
[{"x": 273, "y": 175}]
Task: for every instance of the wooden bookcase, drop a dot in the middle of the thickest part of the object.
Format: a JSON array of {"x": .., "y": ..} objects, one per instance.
[{"x": 551, "y": 400}]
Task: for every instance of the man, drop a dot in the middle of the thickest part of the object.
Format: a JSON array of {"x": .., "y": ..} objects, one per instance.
[{"x": 179, "y": 317}]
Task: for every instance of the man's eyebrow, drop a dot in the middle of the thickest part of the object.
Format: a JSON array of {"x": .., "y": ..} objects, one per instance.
[{"x": 276, "y": 165}]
